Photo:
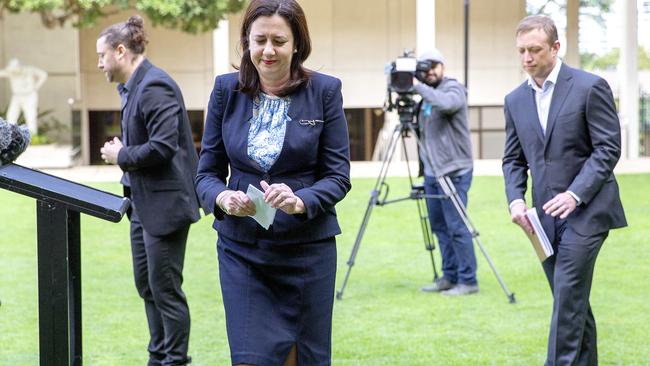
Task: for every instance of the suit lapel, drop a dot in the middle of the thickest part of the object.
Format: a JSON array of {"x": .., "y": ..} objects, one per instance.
[
  {"x": 560, "y": 93},
  {"x": 239, "y": 129},
  {"x": 246, "y": 124},
  {"x": 533, "y": 121},
  {"x": 296, "y": 102},
  {"x": 127, "y": 108},
  {"x": 137, "y": 78}
]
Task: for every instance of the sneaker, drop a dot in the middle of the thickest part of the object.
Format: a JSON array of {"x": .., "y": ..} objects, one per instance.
[
  {"x": 440, "y": 284},
  {"x": 461, "y": 289}
]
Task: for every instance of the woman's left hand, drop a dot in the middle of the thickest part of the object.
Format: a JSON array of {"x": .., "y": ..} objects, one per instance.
[{"x": 280, "y": 196}]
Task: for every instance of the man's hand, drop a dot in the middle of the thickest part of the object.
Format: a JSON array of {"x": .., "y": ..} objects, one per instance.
[
  {"x": 237, "y": 203},
  {"x": 280, "y": 196},
  {"x": 562, "y": 204},
  {"x": 110, "y": 150},
  {"x": 518, "y": 214}
]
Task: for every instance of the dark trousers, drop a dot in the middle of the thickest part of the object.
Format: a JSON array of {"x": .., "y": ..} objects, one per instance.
[
  {"x": 572, "y": 336},
  {"x": 158, "y": 270},
  {"x": 454, "y": 240}
]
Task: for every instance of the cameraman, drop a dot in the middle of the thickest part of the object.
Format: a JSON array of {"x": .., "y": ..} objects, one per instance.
[{"x": 445, "y": 135}]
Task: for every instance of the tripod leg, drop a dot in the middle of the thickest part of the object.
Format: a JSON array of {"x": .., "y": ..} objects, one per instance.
[
  {"x": 417, "y": 193},
  {"x": 357, "y": 242},
  {"x": 449, "y": 189},
  {"x": 426, "y": 232},
  {"x": 374, "y": 199},
  {"x": 451, "y": 192}
]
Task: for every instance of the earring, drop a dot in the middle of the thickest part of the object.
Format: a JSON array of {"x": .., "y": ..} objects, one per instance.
[{"x": 295, "y": 51}]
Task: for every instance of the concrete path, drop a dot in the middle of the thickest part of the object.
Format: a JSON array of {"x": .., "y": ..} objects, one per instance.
[
  {"x": 57, "y": 160},
  {"x": 359, "y": 169}
]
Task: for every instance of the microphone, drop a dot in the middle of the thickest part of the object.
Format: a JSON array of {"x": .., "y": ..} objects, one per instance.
[{"x": 14, "y": 140}]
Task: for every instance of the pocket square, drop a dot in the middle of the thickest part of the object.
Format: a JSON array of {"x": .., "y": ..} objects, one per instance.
[{"x": 310, "y": 122}]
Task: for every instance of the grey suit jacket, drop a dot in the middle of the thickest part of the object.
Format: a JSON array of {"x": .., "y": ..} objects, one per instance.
[
  {"x": 578, "y": 153},
  {"x": 160, "y": 156}
]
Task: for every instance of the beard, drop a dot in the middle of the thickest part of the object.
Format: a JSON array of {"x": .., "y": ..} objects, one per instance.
[{"x": 433, "y": 83}]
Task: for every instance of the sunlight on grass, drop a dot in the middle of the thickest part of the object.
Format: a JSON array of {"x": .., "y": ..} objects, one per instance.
[{"x": 383, "y": 318}]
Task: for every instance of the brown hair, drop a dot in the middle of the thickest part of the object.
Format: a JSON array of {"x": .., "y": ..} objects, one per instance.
[
  {"x": 130, "y": 34},
  {"x": 290, "y": 10},
  {"x": 542, "y": 22}
]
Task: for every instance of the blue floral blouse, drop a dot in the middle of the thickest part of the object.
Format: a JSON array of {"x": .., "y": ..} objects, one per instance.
[{"x": 267, "y": 129}]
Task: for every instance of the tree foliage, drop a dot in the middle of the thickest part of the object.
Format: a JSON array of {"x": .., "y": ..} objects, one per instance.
[
  {"x": 610, "y": 60},
  {"x": 607, "y": 61},
  {"x": 187, "y": 15},
  {"x": 594, "y": 9}
]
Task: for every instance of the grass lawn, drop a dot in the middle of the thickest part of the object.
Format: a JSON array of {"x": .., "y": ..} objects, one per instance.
[{"x": 383, "y": 318}]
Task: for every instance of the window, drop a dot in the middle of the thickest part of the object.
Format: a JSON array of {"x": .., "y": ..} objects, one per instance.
[
  {"x": 104, "y": 125},
  {"x": 196, "y": 123},
  {"x": 364, "y": 125},
  {"x": 487, "y": 126}
]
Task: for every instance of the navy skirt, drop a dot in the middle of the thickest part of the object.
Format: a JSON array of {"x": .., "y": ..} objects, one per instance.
[{"x": 276, "y": 296}]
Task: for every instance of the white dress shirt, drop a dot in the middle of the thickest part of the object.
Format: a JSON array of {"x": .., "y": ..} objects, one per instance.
[
  {"x": 544, "y": 94},
  {"x": 543, "y": 98}
]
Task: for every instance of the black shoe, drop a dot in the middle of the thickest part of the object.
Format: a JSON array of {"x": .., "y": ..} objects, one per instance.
[{"x": 442, "y": 284}]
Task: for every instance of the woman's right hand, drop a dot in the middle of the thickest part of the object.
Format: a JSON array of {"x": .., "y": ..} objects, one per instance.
[{"x": 236, "y": 203}]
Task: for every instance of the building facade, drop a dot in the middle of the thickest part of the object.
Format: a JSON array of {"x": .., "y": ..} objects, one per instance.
[{"x": 352, "y": 40}]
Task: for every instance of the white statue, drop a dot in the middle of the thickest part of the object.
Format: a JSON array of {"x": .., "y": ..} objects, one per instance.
[{"x": 25, "y": 82}]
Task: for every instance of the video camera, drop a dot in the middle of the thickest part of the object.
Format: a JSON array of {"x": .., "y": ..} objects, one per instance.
[
  {"x": 400, "y": 80},
  {"x": 402, "y": 71}
]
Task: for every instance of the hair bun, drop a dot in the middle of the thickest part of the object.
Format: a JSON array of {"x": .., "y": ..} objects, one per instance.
[{"x": 135, "y": 21}]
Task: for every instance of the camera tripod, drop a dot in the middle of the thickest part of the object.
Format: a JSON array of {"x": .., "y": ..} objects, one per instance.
[{"x": 401, "y": 131}]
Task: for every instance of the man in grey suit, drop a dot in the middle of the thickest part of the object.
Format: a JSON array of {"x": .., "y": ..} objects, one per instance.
[
  {"x": 562, "y": 125},
  {"x": 157, "y": 155}
]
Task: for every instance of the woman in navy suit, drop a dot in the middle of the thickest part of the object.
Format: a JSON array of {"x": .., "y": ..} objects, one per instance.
[{"x": 281, "y": 128}]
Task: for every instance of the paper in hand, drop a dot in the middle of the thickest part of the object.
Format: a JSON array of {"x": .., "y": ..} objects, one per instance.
[
  {"x": 264, "y": 213},
  {"x": 539, "y": 239}
]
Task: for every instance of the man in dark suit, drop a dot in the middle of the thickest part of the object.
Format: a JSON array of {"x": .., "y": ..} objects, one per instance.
[
  {"x": 562, "y": 125},
  {"x": 157, "y": 155}
]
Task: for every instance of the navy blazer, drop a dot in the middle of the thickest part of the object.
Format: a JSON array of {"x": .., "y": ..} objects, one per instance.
[
  {"x": 578, "y": 153},
  {"x": 314, "y": 161},
  {"x": 160, "y": 157}
]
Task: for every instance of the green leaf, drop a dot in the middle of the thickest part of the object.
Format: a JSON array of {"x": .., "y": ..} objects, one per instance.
[{"x": 190, "y": 16}]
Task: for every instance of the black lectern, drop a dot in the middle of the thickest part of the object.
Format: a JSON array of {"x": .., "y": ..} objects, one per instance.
[{"x": 59, "y": 203}]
